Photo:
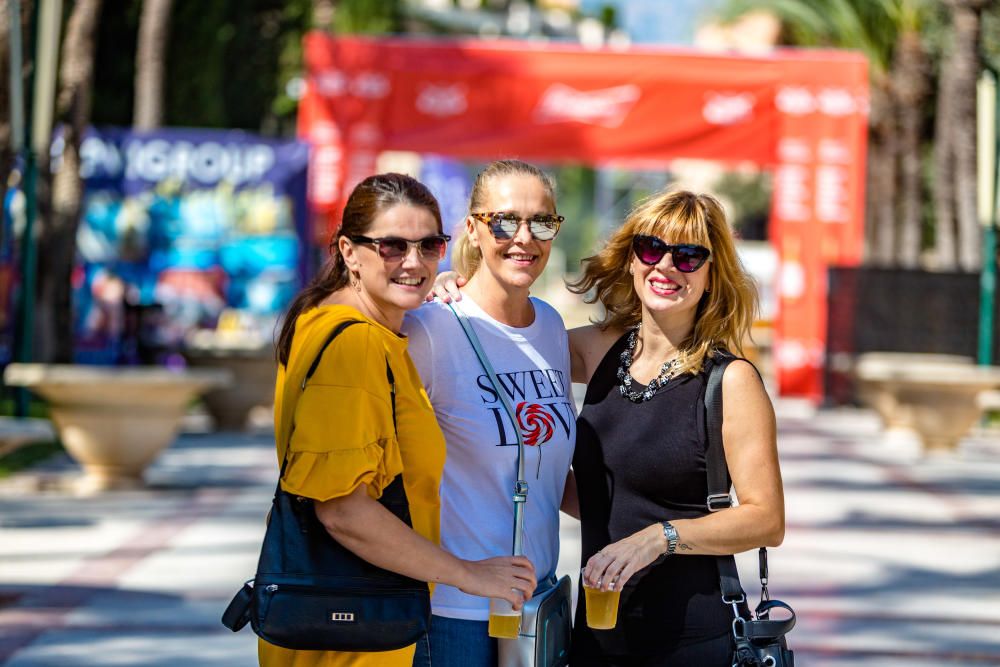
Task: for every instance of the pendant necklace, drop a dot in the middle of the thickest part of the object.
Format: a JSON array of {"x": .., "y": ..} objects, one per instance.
[{"x": 667, "y": 371}]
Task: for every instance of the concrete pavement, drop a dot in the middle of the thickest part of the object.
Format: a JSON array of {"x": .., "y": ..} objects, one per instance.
[{"x": 889, "y": 559}]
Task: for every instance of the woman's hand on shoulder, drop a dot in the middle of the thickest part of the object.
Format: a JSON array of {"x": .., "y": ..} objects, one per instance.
[
  {"x": 510, "y": 578},
  {"x": 447, "y": 287}
]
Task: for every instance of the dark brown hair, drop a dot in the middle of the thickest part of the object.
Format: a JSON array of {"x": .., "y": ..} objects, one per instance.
[{"x": 369, "y": 199}]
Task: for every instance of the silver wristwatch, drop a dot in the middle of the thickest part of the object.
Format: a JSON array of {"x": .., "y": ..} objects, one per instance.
[{"x": 670, "y": 533}]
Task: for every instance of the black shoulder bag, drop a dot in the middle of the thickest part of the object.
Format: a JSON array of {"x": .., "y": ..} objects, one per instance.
[
  {"x": 311, "y": 593},
  {"x": 760, "y": 641}
]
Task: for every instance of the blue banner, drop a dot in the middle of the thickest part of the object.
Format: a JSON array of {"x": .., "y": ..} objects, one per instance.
[
  {"x": 180, "y": 229},
  {"x": 449, "y": 180}
]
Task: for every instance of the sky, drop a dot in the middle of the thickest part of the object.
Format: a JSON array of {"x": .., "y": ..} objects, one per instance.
[{"x": 657, "y": 21}]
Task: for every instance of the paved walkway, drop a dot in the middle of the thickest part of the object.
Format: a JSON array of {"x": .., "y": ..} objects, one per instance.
[{"x": 889, "y": 559}]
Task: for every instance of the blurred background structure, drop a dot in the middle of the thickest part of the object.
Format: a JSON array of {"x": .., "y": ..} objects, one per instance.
[
  {"x": 171, "y": 171},
  {"x": 146, "y": 235}
]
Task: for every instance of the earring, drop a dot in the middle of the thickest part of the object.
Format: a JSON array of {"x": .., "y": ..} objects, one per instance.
[
  {"x": 355, "y": 281},
  {"x": 631, "y": 271}
]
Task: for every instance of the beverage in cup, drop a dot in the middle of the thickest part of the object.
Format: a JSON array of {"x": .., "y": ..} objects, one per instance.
[
  {"x": 602, "y": 607},
  {"x": 505, "y": 623}
]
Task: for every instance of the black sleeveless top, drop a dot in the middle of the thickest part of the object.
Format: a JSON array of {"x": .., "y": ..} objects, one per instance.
[{"x": 637, "y": 464}]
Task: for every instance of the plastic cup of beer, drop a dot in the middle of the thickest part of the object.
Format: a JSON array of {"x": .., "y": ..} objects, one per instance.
[
  {"x": 505, "y": 623},
  {"x": 602, "y": 607}
]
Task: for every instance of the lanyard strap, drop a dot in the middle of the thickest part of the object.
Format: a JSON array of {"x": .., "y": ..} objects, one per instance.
[{"x": 520, "y": 485}]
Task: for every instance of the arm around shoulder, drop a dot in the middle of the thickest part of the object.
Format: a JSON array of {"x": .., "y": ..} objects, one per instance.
[{"x": 587, "y": 346}]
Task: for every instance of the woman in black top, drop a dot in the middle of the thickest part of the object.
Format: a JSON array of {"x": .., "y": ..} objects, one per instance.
[{"x": 674, "y": 292}]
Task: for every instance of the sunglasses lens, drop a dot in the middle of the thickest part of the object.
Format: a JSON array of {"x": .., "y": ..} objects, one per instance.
[
  {"x": 689, "y": 258},
  {"x": 649, "y": 249},
  {"x": 544, "y": 228},
  {"x": 433, "y": 247},
  {"x": 503, "y": 226},
  {"x": 392, "y": 249}
]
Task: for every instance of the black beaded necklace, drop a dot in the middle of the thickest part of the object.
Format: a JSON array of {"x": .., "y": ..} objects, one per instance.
[{"x": 667, "y": 371}]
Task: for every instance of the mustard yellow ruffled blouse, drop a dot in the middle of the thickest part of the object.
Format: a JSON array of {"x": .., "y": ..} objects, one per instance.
[{"x": 340, "y": 434}]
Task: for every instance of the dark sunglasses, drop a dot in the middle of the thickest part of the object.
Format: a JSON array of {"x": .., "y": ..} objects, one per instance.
[
  {"x": 394, "y": 249},
  {"x": 503, "y": 224},
  {"x": 687, "y": 257}
]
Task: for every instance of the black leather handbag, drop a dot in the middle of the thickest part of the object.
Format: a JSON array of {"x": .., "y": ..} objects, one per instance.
[
  {"x": 311, "y": 593},
  {"x": 759, "y": 640}
]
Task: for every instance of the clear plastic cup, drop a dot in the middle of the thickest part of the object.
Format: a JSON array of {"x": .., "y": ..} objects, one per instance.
[
  {"x": 602, "y": 607},
  {"x": 505, "y": 623}
]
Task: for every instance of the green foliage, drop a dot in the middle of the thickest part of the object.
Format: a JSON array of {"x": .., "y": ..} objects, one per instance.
[
  {"x": 27, "y": 456},
  {"x": 368, "y": 16},
  {"x": 748, "y": 196},
  {"x": 578, "y": 235},
  {"x": 609, "y": 17},
  {"x": 873, "y": 27},
  {"x": 36, "y": 409},
  {"x": 228, "y": 61},
  {"x": 991, "y": 34}
]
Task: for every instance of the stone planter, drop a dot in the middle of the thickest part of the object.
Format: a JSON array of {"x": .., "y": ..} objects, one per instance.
[
  {"x": 253, "y": 371},
  {"x": 114, "y": 421},
  {"x": 934, "y": 396}
]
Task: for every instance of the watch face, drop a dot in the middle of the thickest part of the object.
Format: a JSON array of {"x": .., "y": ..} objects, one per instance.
[{"x": 670, "y": 533}]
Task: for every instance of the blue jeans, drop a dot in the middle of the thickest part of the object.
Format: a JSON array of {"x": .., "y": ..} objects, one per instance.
[
  {"x": 422, "y": 655},
  {"x": 455, "y": 642}
]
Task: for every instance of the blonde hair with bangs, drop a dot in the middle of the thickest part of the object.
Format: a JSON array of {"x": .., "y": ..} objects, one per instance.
[{"x": 728, "y": 307}]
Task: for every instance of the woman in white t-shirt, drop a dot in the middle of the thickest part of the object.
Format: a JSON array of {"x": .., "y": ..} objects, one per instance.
[{"x": 508, "y": 237}]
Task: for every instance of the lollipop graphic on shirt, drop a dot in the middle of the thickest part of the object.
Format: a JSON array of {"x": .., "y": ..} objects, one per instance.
[{"x": 536, "y": 424}]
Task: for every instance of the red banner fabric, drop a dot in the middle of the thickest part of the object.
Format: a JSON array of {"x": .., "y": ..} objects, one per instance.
[{"x": 803, "y": 113}]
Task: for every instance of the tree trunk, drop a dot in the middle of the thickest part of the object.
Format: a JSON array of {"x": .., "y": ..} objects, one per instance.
[
  {"x": 965, "y": 16},
  {"x": 58, "y": 224},
  {"x": 910, "y": 91},
  {"x": 957, "y": 233},
  {"x": 6, "y": 139},
  {"x": 150, "y": 64},
  {"x": 882, "y": 172},
  {"x": 945, "y": 234}
]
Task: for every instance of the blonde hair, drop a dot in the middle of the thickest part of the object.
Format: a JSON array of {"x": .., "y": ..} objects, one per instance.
[
  {"x": 465, "y": 257},
  {"x": 728, "y": 307}
]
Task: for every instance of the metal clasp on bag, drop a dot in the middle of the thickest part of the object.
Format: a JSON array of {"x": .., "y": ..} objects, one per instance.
[
  {"x": 520, "y": 491},
  {"x": 734, "y": 603},
  {"x": 718, "y": 501}
]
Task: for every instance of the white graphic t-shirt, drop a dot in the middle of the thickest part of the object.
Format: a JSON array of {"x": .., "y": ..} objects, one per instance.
[{"x": 532, "y": 364}]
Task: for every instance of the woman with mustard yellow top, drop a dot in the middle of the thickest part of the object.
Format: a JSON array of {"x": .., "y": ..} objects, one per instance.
[{"x": 343, "y": 448}]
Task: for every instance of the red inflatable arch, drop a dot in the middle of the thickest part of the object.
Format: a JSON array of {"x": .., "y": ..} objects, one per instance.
[{"x": 801, "y": 113}]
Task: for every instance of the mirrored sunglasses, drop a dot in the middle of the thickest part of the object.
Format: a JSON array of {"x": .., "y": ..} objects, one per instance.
[
  {"x": 504, "y": 224},
  {"x": 394, "y": 249},
  {"x": 687, "y": 257}
]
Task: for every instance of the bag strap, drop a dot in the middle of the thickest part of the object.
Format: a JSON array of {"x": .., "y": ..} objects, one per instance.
[
  {"x": 715, "y": 456},
  {"x": 717, "y": 471},
  {"x": 520, "y": 484},
  {"x": 719, "y": 483},
  {"x": 339, "y": 329}
]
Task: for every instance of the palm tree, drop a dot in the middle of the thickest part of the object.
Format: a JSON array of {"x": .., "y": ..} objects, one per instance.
[
  {"x": 150, "y": 64},
  {"x": 888, "y": 33},
  {"x": 957, "y": 237}
]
